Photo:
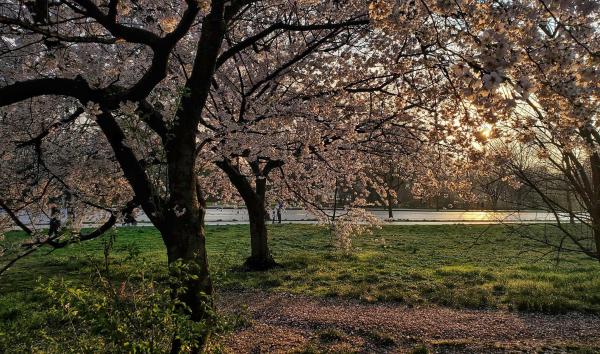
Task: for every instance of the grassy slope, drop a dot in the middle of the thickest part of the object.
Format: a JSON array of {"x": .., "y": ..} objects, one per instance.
[{"x": 458, "y": 266}]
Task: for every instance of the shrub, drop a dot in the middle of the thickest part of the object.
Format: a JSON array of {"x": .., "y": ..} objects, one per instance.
[{"x": 100, "y": 315}]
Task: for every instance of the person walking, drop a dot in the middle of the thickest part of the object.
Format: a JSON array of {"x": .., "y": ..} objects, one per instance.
[
  {"x": 279, "y": 211},
  {"x": 54, "y": 224}
]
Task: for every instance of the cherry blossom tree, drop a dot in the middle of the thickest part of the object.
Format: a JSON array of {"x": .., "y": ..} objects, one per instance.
[
  {"x": 41, "y": 174},
  {"x": 528, "y": 69},
  {"x": 540, "y": 76},
  {"x": 262, "y": 104},
  {"x": 144, "y": 74},
  {"x": 283, "y": 114}
]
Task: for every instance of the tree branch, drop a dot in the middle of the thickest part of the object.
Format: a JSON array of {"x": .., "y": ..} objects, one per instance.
[
  {"x": 14, "y": 218},
  {"x": 19, "y": 91},
  {"x": 233, "y": 50}
]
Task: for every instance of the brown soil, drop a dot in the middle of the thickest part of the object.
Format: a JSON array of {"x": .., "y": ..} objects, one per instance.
[{"x": 283, "y": 323}]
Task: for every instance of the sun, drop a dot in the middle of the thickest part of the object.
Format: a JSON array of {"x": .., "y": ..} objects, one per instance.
[{"x": 486, "y": 130}]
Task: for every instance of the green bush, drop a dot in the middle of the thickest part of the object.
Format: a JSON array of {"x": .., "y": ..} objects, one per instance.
[{"x": 137, "y": 315}]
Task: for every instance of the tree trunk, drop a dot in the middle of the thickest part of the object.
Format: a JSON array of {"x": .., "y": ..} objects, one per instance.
[
  {"x": 570, "y": 208},
  {"x": 188, "y": 265},
  {"x": 595, "y": 212},
  {"x": 41, "y": 11},
  {"x": 184, "y": 235},
  {"x": 254, "y": 199},
  {"x": 260, "y": 256},
  {"x": 597, "y": 241},
  {"x": 595, "y": 225},
  {"x": 335, "y": 199},
  {"x": 389, "y": 205}
]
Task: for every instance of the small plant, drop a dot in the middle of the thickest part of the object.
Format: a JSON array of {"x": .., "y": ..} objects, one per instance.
[
  {"x": 242, "y": 318},
  {"x": 331, "y": 335},
  {"x": 420, "y": 349},
  {"x": 381, "y": 339},
  {"x": 309, "y": 349},
  {"x": 133, "y": 251},
  {"x": 356, "y": 222},
  {"x": 107, "y": 247}
]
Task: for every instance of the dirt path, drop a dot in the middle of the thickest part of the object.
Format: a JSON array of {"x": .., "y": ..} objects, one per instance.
[{"x": 283, "y": 323}]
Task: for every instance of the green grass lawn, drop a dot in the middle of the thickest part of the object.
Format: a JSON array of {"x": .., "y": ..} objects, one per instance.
[
  {"x": 459, "y": 266},
  {"x": 51, "y": 302}
]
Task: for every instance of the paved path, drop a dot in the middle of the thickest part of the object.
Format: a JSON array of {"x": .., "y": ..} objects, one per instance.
[
  {"x": 401, "y": 216},
  {"x": 232, "y": 216}
]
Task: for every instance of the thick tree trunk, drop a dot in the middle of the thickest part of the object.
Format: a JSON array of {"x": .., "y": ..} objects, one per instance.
[
  {"x": 184, "y": 235},
  {"x": 260, "y": 256},
  {"x": 188, "y": 264},
  {"x": 494, "y": 203},
  {"x": 41, "y": 11},
  {"x": 254, "y": 199},
  {"x": 187, "y": 249}
]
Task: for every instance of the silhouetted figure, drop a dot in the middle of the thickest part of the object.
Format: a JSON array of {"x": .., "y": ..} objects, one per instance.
[
  {"x": 129, "y": 219},
  {"x": 54, "y": 224},
  {"x": 279, "y": 210}
]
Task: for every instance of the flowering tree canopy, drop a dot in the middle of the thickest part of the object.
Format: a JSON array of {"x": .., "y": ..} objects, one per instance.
[{"x": 113, "y": 104}]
